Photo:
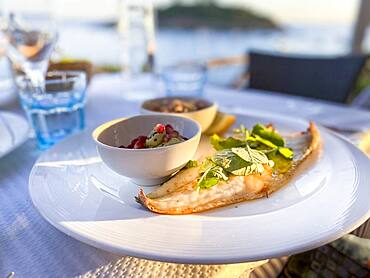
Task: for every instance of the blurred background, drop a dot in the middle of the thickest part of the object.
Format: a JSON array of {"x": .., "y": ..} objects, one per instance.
[{"x": 200, "y": 30}]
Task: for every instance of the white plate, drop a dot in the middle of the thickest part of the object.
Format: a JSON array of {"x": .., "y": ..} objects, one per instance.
[
  {"x": 14, "y": 131},
  {"x": 77, "y": 194}
]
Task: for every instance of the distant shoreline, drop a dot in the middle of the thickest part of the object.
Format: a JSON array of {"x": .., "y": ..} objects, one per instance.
[
  {"x": 208, "y": 16},
  {"x": 212, "y": 16}
]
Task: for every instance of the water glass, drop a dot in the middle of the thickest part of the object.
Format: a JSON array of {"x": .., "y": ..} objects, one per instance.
[
  {"x": 58, "y": 110},
  {"x": 185, "y": 79},
  {"x": 136, "y": 29},
  {"x": 29, "y": 42}
]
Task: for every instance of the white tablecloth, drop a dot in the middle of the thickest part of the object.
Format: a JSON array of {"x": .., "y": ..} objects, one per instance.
[{"x": 31, "y": 247}]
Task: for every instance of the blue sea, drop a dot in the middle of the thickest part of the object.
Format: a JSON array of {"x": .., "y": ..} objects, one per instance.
[{"x": 101, "y": 44}]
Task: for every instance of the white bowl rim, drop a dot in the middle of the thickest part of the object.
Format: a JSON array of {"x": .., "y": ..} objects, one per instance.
[
  {"x": 211, "y": 105},
  {"x": 119, "y": 120}
]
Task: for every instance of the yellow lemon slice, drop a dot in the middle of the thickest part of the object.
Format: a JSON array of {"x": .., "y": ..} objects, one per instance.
[
  {"x": 221, "y": 124},
  {"x": 364, "y": 143}
]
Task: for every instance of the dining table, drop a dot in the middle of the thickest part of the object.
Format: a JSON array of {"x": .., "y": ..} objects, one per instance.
[{"x": 31, "y": 247}]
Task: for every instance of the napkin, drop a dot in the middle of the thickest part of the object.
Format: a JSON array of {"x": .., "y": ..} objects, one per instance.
[{"x": 6, "y": 135}]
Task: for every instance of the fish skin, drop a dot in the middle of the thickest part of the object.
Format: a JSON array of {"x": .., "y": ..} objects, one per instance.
[
  {"x": 179, "y": 196},
  {"x": 182, "y": 178}
]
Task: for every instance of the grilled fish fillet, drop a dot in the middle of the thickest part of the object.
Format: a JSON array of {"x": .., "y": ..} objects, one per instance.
[{"x": 179, "y": 194}]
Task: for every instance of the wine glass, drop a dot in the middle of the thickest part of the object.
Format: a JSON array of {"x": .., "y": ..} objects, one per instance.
[{"x": 29, "y": 43}]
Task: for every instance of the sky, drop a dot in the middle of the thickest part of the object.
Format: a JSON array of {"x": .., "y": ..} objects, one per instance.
[
  {"x": 303, "y": 11},
  {"x": 282, "y": 11}
]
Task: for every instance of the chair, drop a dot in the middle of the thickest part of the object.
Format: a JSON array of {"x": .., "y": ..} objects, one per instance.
[
  {"x": 329, "y": 79},
  {"x": 362, "y": 100}
]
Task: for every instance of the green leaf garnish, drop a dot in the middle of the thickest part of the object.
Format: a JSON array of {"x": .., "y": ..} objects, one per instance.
[
  {"x": 286, "y": 152},
  {"x": 241, "y": 133},
  {"x": 230, "y": 162},
  {"x": 220, "y": 143},
  {"x": 244, "y": 153},
  {"x": 281, "y": 149},
  {"x": 268, "y": 134},
  {"x": 257, "y": 138},
  {"x": 242, "y": 161},
  {"x": 191, "y": 164},
  {"x": 211, "y": 176},
  {"x": 282, "y": 164},
  {"x": 250, "y": 155},
  {"x": 206, "y": 164}
]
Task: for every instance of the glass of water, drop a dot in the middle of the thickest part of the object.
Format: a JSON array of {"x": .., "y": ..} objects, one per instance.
[
  {"x": 185, "y": 79},
  {"x": 57, "y": 111},
  {"x": 136, "y": 30},
  {"x": 29, "y": 42}
]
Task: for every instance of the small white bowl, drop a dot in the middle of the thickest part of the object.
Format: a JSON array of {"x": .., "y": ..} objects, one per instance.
[
  {"x": 204, "y": 116},
  {"x": 150, "y": 166}
]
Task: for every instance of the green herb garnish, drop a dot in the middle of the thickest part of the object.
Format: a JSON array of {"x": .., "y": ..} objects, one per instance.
[
  {"x": 211, "y": 175},
  {"x": 236, "y": 161},
  {"x": 268, "y": 133},
  {"x": 262, "y": 138},
  {"x": 191, "y": 164},
  {"x": 242, "y": 161},
  {"x": 271, "y": 139},
  {"x": 220, "y": 143},
  {"x": 282, "y": 164},
  {"x": 241, "y": 133},
  {"x": 245, "y": 153},
  {"x": 286, "y": 152}
]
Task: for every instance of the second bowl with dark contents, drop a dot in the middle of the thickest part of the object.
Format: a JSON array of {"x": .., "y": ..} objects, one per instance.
[{"x": 201, "y": 110}]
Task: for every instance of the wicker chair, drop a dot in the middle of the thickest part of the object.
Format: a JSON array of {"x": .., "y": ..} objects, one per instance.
[{"x": 324, "y": 78}]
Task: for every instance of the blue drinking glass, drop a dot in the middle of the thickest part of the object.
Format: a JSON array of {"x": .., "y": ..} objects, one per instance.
[
  {"x": 56, "y": 111},
  {"x": 185, "y": 80}
]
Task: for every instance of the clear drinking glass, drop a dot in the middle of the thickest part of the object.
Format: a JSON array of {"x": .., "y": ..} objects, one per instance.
[
  {"x": 185, "y": 79},
  {"x": 57, "y": 111},
  {"x": 136, "y": 29},
  {"x": 29, "y": 42}
]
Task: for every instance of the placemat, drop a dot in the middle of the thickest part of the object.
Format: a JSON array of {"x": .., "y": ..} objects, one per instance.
[{"x": 133, "y": 267}]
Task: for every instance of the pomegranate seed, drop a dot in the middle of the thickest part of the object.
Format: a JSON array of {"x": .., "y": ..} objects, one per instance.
[
  {"x": 138, "y": 141},
  {"x": 169, "y": 128},
  {"x": 133, "y": 142},
  {"x": 139, "y": 145},
  {"x": 160, "y": 128},
  {"x": 142, "y": 138}
]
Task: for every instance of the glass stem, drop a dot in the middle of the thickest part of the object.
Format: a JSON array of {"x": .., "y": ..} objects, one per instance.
[{"x": 37, "y": 78}]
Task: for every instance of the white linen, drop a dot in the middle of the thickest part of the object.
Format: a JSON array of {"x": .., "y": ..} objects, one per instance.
[{"x": 31, "y": 247}]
